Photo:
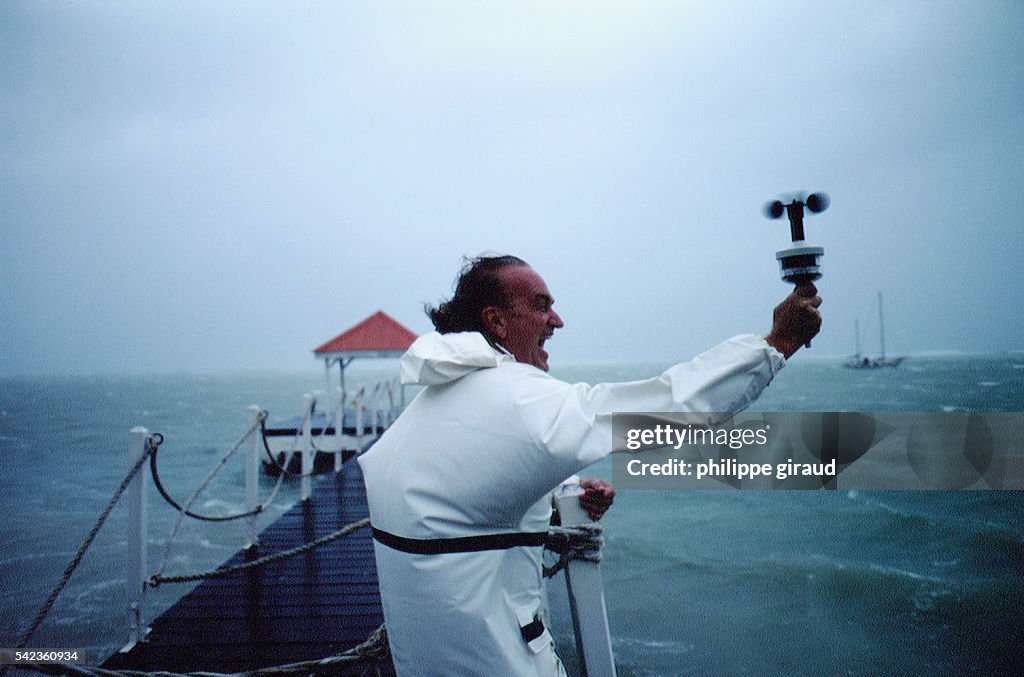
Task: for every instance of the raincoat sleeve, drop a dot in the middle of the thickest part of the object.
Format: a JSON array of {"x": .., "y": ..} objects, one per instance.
[{"x": 573, "y": 422}]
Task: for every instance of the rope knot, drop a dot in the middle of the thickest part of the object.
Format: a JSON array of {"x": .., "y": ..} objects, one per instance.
[{"x": 583, "y": 542}]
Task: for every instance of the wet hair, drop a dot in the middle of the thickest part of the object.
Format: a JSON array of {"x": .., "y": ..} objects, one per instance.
[{"x": 477, "y": 287}]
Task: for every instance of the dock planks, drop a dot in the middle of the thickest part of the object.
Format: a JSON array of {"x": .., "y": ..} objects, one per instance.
[{"x": 316, "y": 604}]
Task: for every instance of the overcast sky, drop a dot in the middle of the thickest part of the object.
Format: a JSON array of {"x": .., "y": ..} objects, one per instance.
[{"x": 216, "y": 185}]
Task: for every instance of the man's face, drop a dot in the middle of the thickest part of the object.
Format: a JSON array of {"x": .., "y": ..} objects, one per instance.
[{"x": 529, "y": 319}]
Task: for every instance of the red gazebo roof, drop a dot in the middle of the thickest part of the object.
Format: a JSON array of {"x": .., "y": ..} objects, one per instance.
[{"x": 377, "y": 336}]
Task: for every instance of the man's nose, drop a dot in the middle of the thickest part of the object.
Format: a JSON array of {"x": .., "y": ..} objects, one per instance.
[{"x": 555, "y": 321}]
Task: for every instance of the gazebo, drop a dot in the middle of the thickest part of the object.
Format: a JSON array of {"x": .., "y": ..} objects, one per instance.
[{"x": 379, "y": 335}]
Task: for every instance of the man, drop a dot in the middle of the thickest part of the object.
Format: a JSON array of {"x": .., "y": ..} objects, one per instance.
[{"x": 461, "y": 483}]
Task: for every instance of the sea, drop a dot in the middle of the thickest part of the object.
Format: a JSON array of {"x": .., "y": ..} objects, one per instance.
[{"x": 846, "y": 582}]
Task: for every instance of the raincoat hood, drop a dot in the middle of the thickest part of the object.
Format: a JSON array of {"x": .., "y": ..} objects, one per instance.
[{"x": 436, "y": 358}]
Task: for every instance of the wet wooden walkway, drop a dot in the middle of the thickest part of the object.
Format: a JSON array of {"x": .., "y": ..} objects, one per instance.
[{"x": 316, "y": 604}]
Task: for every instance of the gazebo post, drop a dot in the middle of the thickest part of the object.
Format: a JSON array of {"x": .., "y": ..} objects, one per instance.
[
  {"x": 327, "y": 377},
  {"x": 342, "y": 363}
]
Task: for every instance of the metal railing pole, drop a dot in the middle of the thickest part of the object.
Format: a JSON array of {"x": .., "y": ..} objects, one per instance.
[
  {"x": 252, "y": 476},
  {"x": 339, "y": 421},
  {"x": 135, "y": 582},
  {"x": 306, "y": 449},
  {"x": 359, "y": 427}
]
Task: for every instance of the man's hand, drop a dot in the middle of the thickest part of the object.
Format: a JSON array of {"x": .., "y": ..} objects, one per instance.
[
  {"x": 597, "y": 497},
  {"x": 796, "y": 320}
]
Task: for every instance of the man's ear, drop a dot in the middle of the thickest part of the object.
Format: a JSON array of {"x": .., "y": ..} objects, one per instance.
[{"x": 494, "y": 322}]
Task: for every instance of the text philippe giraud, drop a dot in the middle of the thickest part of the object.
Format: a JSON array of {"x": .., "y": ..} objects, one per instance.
[{"x": 663, "y": 436}]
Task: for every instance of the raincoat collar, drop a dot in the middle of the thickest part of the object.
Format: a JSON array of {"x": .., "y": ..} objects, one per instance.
[{"x": 436, "y": 358}]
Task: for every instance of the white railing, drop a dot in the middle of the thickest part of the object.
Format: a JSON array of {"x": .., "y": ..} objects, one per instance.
[
  {"x": 371, "y": 408},
  {"x": 138, "y": 439},
  {"x": 138, "y": 579}
]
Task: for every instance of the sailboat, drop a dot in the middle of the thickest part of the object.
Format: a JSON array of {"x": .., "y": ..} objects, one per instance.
[{"x": 860, "y": 361}]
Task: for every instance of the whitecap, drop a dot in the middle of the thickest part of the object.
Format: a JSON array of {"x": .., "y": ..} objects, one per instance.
[
  {"x": 105, "y": 584},
  {"x": 905, "y": 573},
  {"x": 68, "y": 620},
  {"x": 928, "y": 595},
  {"x": 217, "y": 504},
  {"x": 210, "y": 545},
  {"x": 667, "y": 646}
]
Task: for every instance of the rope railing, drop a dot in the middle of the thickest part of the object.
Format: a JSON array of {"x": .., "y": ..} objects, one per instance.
[
  {"x": 281, "y": 469},
  {"x": 335, "y": 417},
  {"x": 157, "y": 579},
  {"x": 373, "y": 649},
  {"x": 185, "y": 509},
  {"x": 261, "y": 423},
  {"x": 77, "y": 559},
  {"x": 338, "y": 416}
]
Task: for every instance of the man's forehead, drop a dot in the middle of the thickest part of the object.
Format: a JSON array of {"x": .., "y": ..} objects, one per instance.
[{"x": 524, "y": 281}]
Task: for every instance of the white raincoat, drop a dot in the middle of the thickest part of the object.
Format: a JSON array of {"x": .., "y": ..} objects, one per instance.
[{"x": 478, "y": 452}]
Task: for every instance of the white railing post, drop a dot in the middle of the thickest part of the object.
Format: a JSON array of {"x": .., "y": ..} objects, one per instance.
[
  {"x": 359, "y": 427},
  {"x": 586, "y": 594},
  {"x": 135, "y": 583},
  {"x": 327, "y": 375},
  {"x": 306, "y": 446},
  {"x": 376, "y": 409},
  {"x": 252, "y": 474},
  {"x": 339, "y": 431}
]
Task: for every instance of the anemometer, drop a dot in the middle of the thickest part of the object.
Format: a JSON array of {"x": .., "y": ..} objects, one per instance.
[{"x": 801, "y": 262}]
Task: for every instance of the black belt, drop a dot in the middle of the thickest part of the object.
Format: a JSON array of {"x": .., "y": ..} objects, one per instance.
[{"x": 439, "y": 546}]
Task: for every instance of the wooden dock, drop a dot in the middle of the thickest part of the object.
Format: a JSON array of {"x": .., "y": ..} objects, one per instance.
[{"x": 310, "y": 606}]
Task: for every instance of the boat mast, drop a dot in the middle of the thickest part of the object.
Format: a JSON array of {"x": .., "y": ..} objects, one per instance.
[
  {"x": 881, "y": 324},
  {"x": 856, "y": 336}
]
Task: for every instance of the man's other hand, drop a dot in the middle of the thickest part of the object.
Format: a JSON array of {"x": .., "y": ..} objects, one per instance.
[{"x": 597, "y": 497}]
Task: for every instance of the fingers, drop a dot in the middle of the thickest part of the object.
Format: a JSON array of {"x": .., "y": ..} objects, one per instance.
[
  {"x": 811, "y": 312},
  {"x": 806, "y": 289},
  {"x": 809, "y": 293},
  {"x": 596, "y": 498},
  {"x": 808, "y": 299},
  {"x": 594, "y": 483}
]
